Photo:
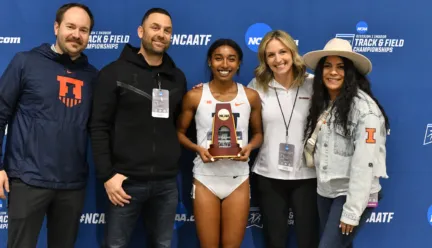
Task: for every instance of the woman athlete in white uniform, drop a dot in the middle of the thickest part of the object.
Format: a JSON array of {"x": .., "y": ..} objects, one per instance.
[{"x": 221, "y": 187}]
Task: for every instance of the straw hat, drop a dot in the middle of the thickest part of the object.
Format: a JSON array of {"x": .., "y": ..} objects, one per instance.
[{"x": 342, "y": 48}]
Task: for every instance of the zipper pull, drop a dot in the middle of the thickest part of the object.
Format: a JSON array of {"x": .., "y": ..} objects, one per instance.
[
  {"x": 159, "y": 82},
  {"x": 160, "y": 87}
]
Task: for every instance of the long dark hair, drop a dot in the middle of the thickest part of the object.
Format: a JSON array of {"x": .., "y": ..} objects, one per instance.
[{"x": 353, "y": 81}]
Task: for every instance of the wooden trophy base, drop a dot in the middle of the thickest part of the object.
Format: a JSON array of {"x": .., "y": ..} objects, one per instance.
[{"x": 230, "y": 152}]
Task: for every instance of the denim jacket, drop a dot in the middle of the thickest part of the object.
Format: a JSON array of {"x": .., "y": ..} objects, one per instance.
[{"x": 351, "y": 164}]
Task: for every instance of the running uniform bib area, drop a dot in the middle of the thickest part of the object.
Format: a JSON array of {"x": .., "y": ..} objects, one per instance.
[{"x": 224, "y": 175}]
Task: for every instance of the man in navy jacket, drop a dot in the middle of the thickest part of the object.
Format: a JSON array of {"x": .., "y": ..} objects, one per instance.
[{"x": 45, "y": 99}]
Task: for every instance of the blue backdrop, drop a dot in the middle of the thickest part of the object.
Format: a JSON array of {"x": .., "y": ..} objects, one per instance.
[{"x": 389, "y": 32}]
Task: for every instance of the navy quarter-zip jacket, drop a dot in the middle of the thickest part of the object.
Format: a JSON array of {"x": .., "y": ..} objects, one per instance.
[{"x": 45, "y": 100}]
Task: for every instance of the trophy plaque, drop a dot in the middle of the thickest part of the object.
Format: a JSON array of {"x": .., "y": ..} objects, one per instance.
[{"x": 224, "y": 136}]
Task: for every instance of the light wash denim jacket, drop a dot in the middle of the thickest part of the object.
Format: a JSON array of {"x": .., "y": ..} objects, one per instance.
[{"x": 352, "y": 164}]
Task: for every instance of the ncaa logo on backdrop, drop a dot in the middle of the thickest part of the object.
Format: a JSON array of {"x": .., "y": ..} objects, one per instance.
[
  {"x": 92, "y": 218},
  {"x": 190, "y": 39},
  {"x": 9, "y": 40},
  {"x": 3, "y": 215},
  {"x": 182, "y": 216},
  {"x": 106, "y": 40},
  {"x": 362, "y": 42},
  {"x": 255, "y": 33},
  {"x": 362, "y": 27},
  {"x": 428, "y": 135},
  {"x": 429, "y": 215},
  {"x": 380, "y": 217}
]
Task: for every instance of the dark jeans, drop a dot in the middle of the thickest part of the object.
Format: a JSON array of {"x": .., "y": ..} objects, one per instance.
[
  {"x": 28, "y": 206},
  {"x": 275, "y": 198},
  {"x": 156, "y": 201},
  {"x": 330, "y": 211}
]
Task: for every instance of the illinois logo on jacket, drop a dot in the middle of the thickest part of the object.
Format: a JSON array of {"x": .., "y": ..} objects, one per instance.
[{"x": 70, "y": 90}]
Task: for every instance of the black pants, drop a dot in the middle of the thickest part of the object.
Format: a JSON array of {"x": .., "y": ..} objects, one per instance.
[
  {"x": 275, "y": 198},
  {"x": 28, "y": 206}
]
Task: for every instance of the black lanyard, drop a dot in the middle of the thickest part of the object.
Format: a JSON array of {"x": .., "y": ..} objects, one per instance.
[{"x": 292, "y": 111}]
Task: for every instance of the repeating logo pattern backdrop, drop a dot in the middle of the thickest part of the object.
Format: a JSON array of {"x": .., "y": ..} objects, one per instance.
[{"x": 389, "y": 32}]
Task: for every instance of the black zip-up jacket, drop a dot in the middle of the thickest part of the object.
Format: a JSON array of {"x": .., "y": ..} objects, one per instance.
[{"x": 125, "y": 138}]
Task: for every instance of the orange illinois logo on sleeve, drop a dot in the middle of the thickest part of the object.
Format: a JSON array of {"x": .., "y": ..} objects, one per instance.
[
  {"x": 70, "y": 90},
  {"x": 370, "y": 135}
]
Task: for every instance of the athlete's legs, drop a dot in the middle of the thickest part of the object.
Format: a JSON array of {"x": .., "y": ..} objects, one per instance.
[
  {"x": 207, "y": 215},
  {"x": 235, "y": 212}
]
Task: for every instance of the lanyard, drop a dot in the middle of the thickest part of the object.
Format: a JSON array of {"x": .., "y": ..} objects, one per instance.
[{"x": 292, "y": 111}]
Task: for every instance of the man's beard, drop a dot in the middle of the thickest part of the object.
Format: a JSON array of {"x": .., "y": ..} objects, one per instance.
[{"x": 148, "y": 47}]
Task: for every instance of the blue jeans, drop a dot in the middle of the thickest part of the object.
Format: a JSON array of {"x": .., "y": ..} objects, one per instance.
[
  {"x": 156, "y": 201},
  {"x": 330, "y": 211}
]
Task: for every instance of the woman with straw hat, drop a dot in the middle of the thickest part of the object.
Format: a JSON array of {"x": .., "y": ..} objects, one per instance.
[{"x": 345, "y": 139}]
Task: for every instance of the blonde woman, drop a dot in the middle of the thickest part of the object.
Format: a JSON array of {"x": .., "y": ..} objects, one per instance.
[{"x": 281, "y": 177}]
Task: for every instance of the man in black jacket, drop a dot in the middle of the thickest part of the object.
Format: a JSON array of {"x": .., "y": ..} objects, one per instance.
[{"x": 134, "y": 141}]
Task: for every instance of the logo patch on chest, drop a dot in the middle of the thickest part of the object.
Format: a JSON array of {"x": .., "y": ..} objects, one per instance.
[{"x": 70, "y": 91}]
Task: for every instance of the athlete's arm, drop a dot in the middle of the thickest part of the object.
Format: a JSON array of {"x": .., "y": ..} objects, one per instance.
[
  {"x": 255, "y": 123},
  {"x": 190, "y": 104}
]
